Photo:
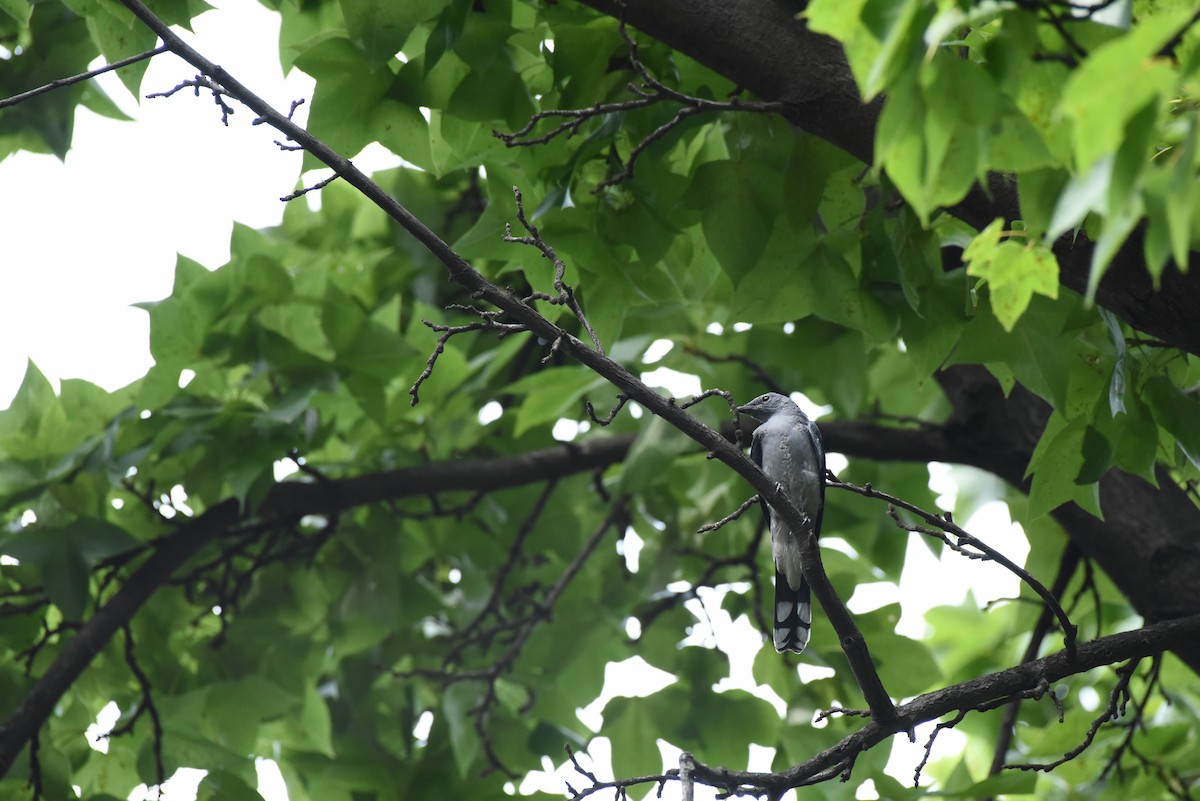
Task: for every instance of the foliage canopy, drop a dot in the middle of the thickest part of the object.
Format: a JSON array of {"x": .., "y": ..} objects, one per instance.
[{"x": 965, "y": 228}]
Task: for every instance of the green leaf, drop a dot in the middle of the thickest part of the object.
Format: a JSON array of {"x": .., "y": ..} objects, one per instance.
[
  {"x": 1177, "y": 413},
  {"x": 1083, "y": 193},
  {"x": 19, "y": 10},
  {"x": 311, "y": 730},
  {"x": 1009, "y": 782},
  {"x": 1057, "y": 461},
  {"x": 349, "y": 95},
  {"x": 1014, "y": 272},
  {"x": 1181, "y": 201},
  {"x": 900, "y": 145},
  {"x": 380, "y": 28},
  {"x": 839, "y": 20},
  {"x": 1016, "y": 146},
  {"x": 21, "y": 422},
  {"x": 736, "y": 211},
  {"x": 896, "y": 27},
  {"x": 458, "y": 702},
  {"x": 405, "y": 132},
  {"x": 65, "y": 555},
  {"x": 1133, "y": 158},
  {"x": 657, "y": 446},
  {"x": 551, "y": 394},
  {"x": 1115, "y": 82},
  {"x": 64, "y": 570},
  {"x": 1044, "y": 370},
  {"x": 1097, "y": 456},
  {"x": 234, "y": 710},
  {"x": 1116, "y": 385},
  {"x": 745, "y": 718},
  {"x": 120, "y": 35},
  {"x": 633, "y": 726},
  {"x": 907, "y": 667},
  {"x": 220, "y": 785},
  {"x": 1116, "y": 230}
]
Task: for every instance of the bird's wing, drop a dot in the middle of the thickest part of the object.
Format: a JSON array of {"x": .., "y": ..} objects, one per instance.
[
  {"x": 756, "y": 449},
  {"x": 814, "y": 435}
]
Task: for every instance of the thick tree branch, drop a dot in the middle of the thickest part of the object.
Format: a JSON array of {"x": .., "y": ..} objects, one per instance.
[{"x": 287, "y": 502}]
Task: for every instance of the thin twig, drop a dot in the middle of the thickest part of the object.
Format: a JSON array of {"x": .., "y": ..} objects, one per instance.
[
  {"x": 196, "y": 84},
  {"x": 757, "y": 369},
  {"x": 965, "y": 538},
  {"x": 729, "y": 518},
  {"x": 489, "y": 324},
  {"x": 305, "y": 190},
  {"x": 1067, "y": 566},
  {"x": 566, "y": 295},
  {"x": 607, "y": 420},
  {"x": 651, "y": 92},
  {"x": 1116, "y": 705},
  {"x": 83, "y": 76}
]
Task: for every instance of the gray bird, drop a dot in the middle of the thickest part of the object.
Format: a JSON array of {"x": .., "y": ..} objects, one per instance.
[{"x": 787, "y": 446}]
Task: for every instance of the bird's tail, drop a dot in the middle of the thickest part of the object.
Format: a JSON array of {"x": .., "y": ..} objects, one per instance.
[{"x": 793, "y": 614}]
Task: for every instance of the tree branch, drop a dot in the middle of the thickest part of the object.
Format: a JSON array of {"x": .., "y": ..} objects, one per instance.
[
  {"x": 83, "y": 76},
  {"x": 986, "y": 691},
  {"x": 287, "y": 501},
  {"x": 522, "y": 312}
]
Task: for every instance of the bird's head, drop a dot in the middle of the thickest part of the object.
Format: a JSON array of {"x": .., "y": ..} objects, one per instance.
[{"x": 764, "y": 406}]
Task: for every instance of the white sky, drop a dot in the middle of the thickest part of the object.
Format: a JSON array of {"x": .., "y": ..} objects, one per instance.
[{"x": 86, "y": 238}]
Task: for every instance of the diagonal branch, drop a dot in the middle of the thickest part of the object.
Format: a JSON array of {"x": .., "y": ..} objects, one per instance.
[
  {"x": 983, "y": 550},
  {"x": 522, "y": 312},
  {"x": 83, "y": 76}
]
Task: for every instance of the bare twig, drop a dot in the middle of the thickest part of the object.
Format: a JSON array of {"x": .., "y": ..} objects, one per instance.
[
  {"x": 607, "y": 420},
  {"x": 202, "y": 81},
  {"x": 489, "y": 324},
  {"x": 1041, "y": 688},
  {"x": 145, "y": 706},
  {"x": 843, "y": 711},
  {"x": 748, "y": 558},
  {"x": 304, "y": 191},
  {"x": 518, "y": 630},
  {"x": 1067, "y": 566},
  {"x": 83, "y": 76},
  {"x": 729, "y": 518},
  {"x": 620, "y": 785},
  {"x": 651, "y": 92},
  {"x": 757, "y": 369},
  {"x": 964, "y": 538},
  {"x": 711, "y": 393},
  {"x": 566, "y": 295},
  {"x": 473, "y": 634},
  {"x": 1117, "y": 699}
]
